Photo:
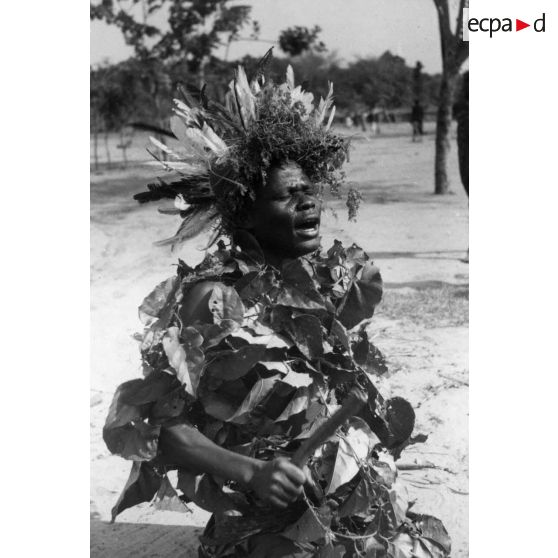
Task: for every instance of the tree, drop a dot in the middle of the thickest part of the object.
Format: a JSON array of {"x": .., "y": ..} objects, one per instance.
[
  {"x": 454, "y": 53},
  {"x": 298, "y": 39},
  {"x": 195, "y": 28}
]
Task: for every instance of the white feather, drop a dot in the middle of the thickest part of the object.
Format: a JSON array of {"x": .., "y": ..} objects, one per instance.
[
  {"x": 245, "y": 96},
  {"x": 188, "y": 136},
  {"x": 255, "y": 86},
  {"x": 290, "y": 77},
  {"x": 324, "y": 105},
  {"x": 160, "y": 145},
  {"x": 213, "y": 141},
  {"x": 330, "y": 120},
  {"x": 180, "y": 203}
]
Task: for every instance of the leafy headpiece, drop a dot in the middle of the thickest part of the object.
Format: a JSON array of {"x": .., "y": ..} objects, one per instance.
[{"x": 227, "y": 150}]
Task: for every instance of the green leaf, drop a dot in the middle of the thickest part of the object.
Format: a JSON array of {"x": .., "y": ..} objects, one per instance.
[
  {"x": 256, "y": 395},
  {"x": 276, "y": 367},
  {"x": 191, "y": 338},
  {"x": 383, "y": 521},
  {"x": 231, "y": 365},
  {"x": 358, "y": 501},
  {"x": 225, "y": 304},
  {"x": 298, "y": 289},
  {"x": 162, "y": 296},
  {"x": 142, "y": 484},
  {"x": 307, "y": 528},
  {"x": 150, "y": 389},
  {"x": 218, "y": 405},
  {"x": 299, "y": 274},
  {"x": 124, "y": 432},
  {"x": 353, "y": 450},
  {"x": 213, "y": 334},
  {"x": 120, "y": 412},
  {"x": 421, "y": 550},
  {"x": 376, "y": 362},
  {"x": 429, "y": 549},
  {"x": 297, "y": 379},
  {"x": 256, "y": 284},
  {"x": 356, "y": 256},
  {"x": 399, "y": 499},
  {"x": 385, "y": 471},
  {"x": 167, "y": 498},
  {"x": 401, "y": 546},
  {"x": 340, "y": 335},
  {"x": 331, "y": 551},
  {"x": 296, "y": 405},
  {"x": 137, "y": 441},
  {"x": 306, "y": 332},
  {"x": 432, "y": 528},
  {"x": 177, "y": 358},
  {"x": 195, "y": 356},
  {"x": 169, "y": 406},
  {"x": 293, "y": 298},
  {"x": 362, "y": 298},
  {"x": 205, "y": 493}
]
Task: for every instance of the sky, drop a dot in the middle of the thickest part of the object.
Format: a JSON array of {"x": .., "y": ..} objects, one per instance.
[{"x": 352, "y": 28}]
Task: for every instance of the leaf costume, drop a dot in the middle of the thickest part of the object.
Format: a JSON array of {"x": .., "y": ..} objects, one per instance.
[{"x": 281, "y": 350}]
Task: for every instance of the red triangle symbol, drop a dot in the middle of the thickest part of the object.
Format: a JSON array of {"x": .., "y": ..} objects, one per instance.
[{"x": 519, "y": 25}]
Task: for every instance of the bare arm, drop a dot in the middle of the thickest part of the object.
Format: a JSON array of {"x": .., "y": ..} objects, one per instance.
[{"x": 277, "y": 482}]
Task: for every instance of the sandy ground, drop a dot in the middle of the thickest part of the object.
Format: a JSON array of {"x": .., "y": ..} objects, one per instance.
[{"x": 417, "y": 239}]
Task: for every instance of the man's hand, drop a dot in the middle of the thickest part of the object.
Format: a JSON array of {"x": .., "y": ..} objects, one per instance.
[{"x": 277, "y": 482}]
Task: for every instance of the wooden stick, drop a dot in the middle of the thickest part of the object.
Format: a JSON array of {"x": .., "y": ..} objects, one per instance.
[
  {"x": 420, "y": 466},
  {"x": 352, "y": 405}
]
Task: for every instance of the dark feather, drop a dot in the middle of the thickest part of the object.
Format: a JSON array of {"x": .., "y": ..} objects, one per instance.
[
  {"x": 197, "y": 220},
  {"x": 184, "y": 90},
  {"x": 151, "y": 128},
  {"x": 262, "y": 64},
  {"x": 194, "y": 189}
]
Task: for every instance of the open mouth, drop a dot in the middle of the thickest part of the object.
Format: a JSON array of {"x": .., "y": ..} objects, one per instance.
[{"x": 308, "y": 227}]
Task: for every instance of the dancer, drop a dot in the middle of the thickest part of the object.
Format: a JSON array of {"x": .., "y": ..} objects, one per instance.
[{"x": 258, "y": 384}]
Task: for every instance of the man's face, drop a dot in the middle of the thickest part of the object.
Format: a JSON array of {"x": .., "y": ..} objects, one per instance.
[{"x": 286, "y": 219}]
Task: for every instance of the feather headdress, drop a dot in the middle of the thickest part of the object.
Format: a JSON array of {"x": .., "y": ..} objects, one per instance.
[{"x": 226, "y": 151}]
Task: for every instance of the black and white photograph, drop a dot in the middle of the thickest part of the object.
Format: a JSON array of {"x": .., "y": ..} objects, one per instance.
[{"x": 279, "y": 279}]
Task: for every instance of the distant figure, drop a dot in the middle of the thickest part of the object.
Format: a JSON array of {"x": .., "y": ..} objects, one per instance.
[
  {"x": 348, "y": 121},
  {"x": 376, "y": 113},
  {"x": 358, "y": 121},
  {"x": 461, "y": 114},
  {"x": 370, "y": 121},
  {"x": 417, "y": 116}
]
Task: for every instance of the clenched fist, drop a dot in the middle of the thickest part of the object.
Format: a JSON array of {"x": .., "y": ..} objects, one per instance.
[{"x": 278, "y": 482}]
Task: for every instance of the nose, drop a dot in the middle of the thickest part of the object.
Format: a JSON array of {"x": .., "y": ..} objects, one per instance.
[{"x": 306, "y": 202}]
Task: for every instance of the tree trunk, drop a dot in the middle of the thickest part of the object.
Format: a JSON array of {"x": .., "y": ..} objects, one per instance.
[
  {"x": 443, "y": 127},
  {"x": 107, "y": 150},
  {"x": 124, "y": 147},
  {"x": 96, "y": 147}
]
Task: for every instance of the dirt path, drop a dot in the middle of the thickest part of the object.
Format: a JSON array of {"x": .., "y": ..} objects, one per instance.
[{"x": 416, "y": 238}]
